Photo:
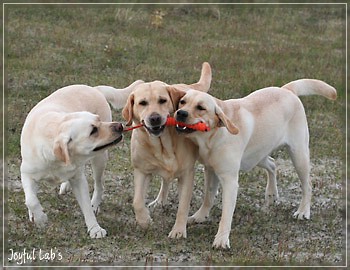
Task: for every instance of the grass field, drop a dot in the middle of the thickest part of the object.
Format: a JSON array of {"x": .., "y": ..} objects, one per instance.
[{"x": 249, "y": 47}]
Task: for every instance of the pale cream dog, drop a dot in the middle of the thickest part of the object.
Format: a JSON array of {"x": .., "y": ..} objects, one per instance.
[
  {"x": 255, "y": 126},
  {"x": 60, "y": 134},
  {"x": 158, "y": 150}
]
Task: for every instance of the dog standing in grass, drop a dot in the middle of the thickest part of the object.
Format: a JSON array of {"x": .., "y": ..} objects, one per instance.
[
  {"x": 157, "y": 150},
  {"x": 254, "y": 126},
  {"x": 60, "y": 135}
]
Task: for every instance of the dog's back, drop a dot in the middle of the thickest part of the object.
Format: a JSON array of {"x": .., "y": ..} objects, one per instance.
[
  {"x": 46, "y": 115},
  {"x": 74, "y": 98}
]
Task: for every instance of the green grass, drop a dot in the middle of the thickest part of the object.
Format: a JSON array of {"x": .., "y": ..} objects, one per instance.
[{"x": 249, "y": 47}]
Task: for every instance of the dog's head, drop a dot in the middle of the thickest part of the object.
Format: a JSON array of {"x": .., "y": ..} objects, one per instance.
[
  {"x": 151, "y": 104},
  {"x": 81, "y": 135},
  {"x": 196, "y": 107}
]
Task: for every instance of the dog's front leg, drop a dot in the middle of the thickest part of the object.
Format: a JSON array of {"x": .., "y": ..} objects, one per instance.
[
  {"x": 98, "y": 166},
  {"x": 185, "y": 195},
  {"x": 141, "y": 182},
  {"x": 211, "y": 185},
  {"x": 81, "y": 191},
  {"x": 229, "y": 182},
  {"x": 35, "y": 209}
]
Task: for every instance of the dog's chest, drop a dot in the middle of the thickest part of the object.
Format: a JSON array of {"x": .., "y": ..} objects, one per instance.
[
  {"x": 54, "y": 174},
  {"x": 166, "y": 162},
  {"x": 158, "y": 156}
]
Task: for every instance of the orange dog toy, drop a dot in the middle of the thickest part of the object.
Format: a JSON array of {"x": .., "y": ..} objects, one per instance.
[
  {"x": 199, "y": 126},
  {"x": 172, "y": 122}
]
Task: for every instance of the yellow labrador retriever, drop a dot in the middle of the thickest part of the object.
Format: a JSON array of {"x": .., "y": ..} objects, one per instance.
[
  {"x": 157, "y": 150},
  {"x": 60, "y": 134},
  {"x": 255, "y": 126}
]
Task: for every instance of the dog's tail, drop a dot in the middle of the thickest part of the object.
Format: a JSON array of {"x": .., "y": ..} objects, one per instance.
[
  {"x": 305, "y": 87},
  {"x": 205, "y": 80},
  {"x": 117, "y": 97}
]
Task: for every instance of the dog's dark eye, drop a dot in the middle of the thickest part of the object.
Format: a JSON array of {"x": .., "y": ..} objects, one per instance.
[
  {"x": 162, "y": 101},
  {"x": 200, "y": 108},
  {"x": 143, "y": 103},
  {"x": 182, "y": 102},
  {"x": 94, "y": 131}
]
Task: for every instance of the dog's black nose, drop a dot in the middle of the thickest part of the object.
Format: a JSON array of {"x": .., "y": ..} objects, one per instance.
[
  {"x": 181, "y": 115},
  {"x": 117, "y": 127},
  {"x": 155, "y": 119}
]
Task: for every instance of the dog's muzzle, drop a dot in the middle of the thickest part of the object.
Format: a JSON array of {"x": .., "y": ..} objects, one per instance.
[
  {"x": 117, "y": 129},
  {"x": 181, "y": 116},
  {"x": 154, "y": 124}
]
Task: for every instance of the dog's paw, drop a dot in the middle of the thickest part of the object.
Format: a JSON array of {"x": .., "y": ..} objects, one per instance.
[
  {"x": 197, "y": 218},
  {"x": 302, "y": 215},
  {"x": 271, "y": 199},
  {"x": 144, "y": 222},
  {"x": 221, "y": 242},
  {"x": 178, "y": 233},
  {"x": 156, "y": 203},
  {"x": 40, "y": 220},
  {"x": 65, "y": 188},
  {"x": 97, "y": 232},
  {"x": 143, "y": 218}
]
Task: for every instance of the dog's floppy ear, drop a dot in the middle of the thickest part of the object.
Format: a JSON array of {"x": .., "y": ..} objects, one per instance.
[
  {"x": 175, "y": 95},
  {"x": 60, "y": 148},
  {"x": 224, "y": 121},
  {"x": 128, "y": 109}
]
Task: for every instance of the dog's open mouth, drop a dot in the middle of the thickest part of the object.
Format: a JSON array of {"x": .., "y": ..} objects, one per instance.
[
  {"x": 156, "y": 130},
  {"x": 98, "y": 148}
]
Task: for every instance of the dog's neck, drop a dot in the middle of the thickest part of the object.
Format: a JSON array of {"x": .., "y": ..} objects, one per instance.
[
  {"x": 165, "y": 142},
  {"x": 206, "y": 141},
  {"x": 162, "y": 146}
]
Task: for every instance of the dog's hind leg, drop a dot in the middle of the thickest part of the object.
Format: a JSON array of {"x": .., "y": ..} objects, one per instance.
[
  {"x": 300, "y": 158},
  {"x": 298, "y": 148},
  {"x": 162, "y": 195},
  {"x": 98, "y": 164},
  {"x": 211, "y": 185},
  {"x": 35, "y": 209},
  {"x": 271, "y": 192}
]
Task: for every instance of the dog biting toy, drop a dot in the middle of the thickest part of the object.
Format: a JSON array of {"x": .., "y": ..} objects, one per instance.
[
  {"x": 171, "y": 121},
  {"x": 199, "y": 126}
]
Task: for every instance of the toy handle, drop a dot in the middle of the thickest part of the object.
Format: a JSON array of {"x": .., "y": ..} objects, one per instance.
[{"x": 170, "y": 121}]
